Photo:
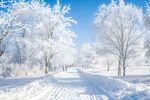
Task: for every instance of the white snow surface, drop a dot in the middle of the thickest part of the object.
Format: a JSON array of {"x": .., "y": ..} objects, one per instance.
[{"x": 72, "y": 85}]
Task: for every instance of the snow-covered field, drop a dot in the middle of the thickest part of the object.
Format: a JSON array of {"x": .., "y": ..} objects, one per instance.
[{"x": 72, "y": 85}]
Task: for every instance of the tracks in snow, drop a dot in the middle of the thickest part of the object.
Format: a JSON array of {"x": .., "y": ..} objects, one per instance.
[
  {"x": 100, "y": 92},
  {"x": 74, "y": 86},
  {"x": 63, "y": 86}
]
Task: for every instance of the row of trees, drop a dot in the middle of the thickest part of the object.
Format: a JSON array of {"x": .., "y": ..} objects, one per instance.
[{"x": 34, "y": 33}]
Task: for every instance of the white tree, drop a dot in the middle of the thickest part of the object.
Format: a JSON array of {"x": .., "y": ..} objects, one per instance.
[
  {"x": 40, "y": 33},
  {"x": 22, "y": 42},
  {"x": 55, "y": 33},
  {"x": 109, "y": 61},
  {"x": 7, "y": 22},
  {"x": 118, "y": 27},
  {"x": 147, "y": 37}
]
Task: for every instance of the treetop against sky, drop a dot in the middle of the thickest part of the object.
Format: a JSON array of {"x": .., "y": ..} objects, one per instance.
[{"x": 83, "y": 12}]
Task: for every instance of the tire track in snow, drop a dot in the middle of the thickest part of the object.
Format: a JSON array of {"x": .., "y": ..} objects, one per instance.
[
  {"x": 96, "y": 94},
  {"x": 55, "y": 93},
  {"x": 58, "y": 92},
  {"x": 68, "y": 92},
  {"x": 92, "y": 91},
  {"x": 62, "y": 93},
  {"x": 102, "y": 94}
]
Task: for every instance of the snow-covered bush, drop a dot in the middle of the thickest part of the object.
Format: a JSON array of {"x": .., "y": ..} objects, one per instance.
[{"x": 5, "y": 70}]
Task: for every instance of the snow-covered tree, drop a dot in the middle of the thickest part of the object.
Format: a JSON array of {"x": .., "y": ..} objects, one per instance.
[
  {"x": 55, "y": 33},
  {"x": 22, "y": 46},
  {"x": 109, "y": 61},
  {"x": 118, "y": 27},
  {"x": 38, "y": 33},
  {"x": 8, "y": 23},
  {"x": 147, "y": 37}
]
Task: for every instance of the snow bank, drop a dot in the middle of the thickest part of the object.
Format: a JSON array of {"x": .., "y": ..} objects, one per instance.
[
  {"x": 118, "y": 89},
  {"x": 30, "y": 91}
]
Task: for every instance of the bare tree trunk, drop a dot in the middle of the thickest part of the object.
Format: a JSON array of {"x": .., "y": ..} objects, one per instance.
[
  {"x": 119, "y": 68},
  {"x": 82, "y": 67},
  {"x": 124, "y": 71},
  {"x": 108, "y": 67},
  {"x": 46, "y": 68},
  {"x": 2, "y": 48},
  {"x": 63, "y": 67},
  {"x": 124, "y": 67},
  {"x": 50, "y": 66},
  {"x": 66, "y": 67}
]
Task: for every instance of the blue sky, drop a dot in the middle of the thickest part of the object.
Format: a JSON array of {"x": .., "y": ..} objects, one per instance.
[{"x": 83, "y": 11}]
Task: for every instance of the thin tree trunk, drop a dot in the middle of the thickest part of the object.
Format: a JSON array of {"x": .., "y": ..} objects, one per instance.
[
  {"x": 46, "y": 69},
  {"x": 63, "y": 68},
  {"x": 108, "y": 67},
  {"x": 119, "y": 68},
  {"x": 82, "y": 66},
  {"x": 124, "y": 68},
  {"x": 66, "y": 67},
  {"x": 124, "y": 71},
  {"x": 50, "y": 66}
]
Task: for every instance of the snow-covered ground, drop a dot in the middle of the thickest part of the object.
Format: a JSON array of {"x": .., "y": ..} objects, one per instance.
[
  {"x": 135, "y": 75},
  {"x": 72, "y": 85}
]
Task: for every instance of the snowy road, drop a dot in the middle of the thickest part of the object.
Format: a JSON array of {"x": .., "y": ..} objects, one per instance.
[
  {"x": 71, "y": 86},
  {"x": 74, "y": 85}
]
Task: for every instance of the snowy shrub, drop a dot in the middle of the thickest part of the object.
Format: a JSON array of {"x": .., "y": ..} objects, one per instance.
[{"x": 6, "y": 70}]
